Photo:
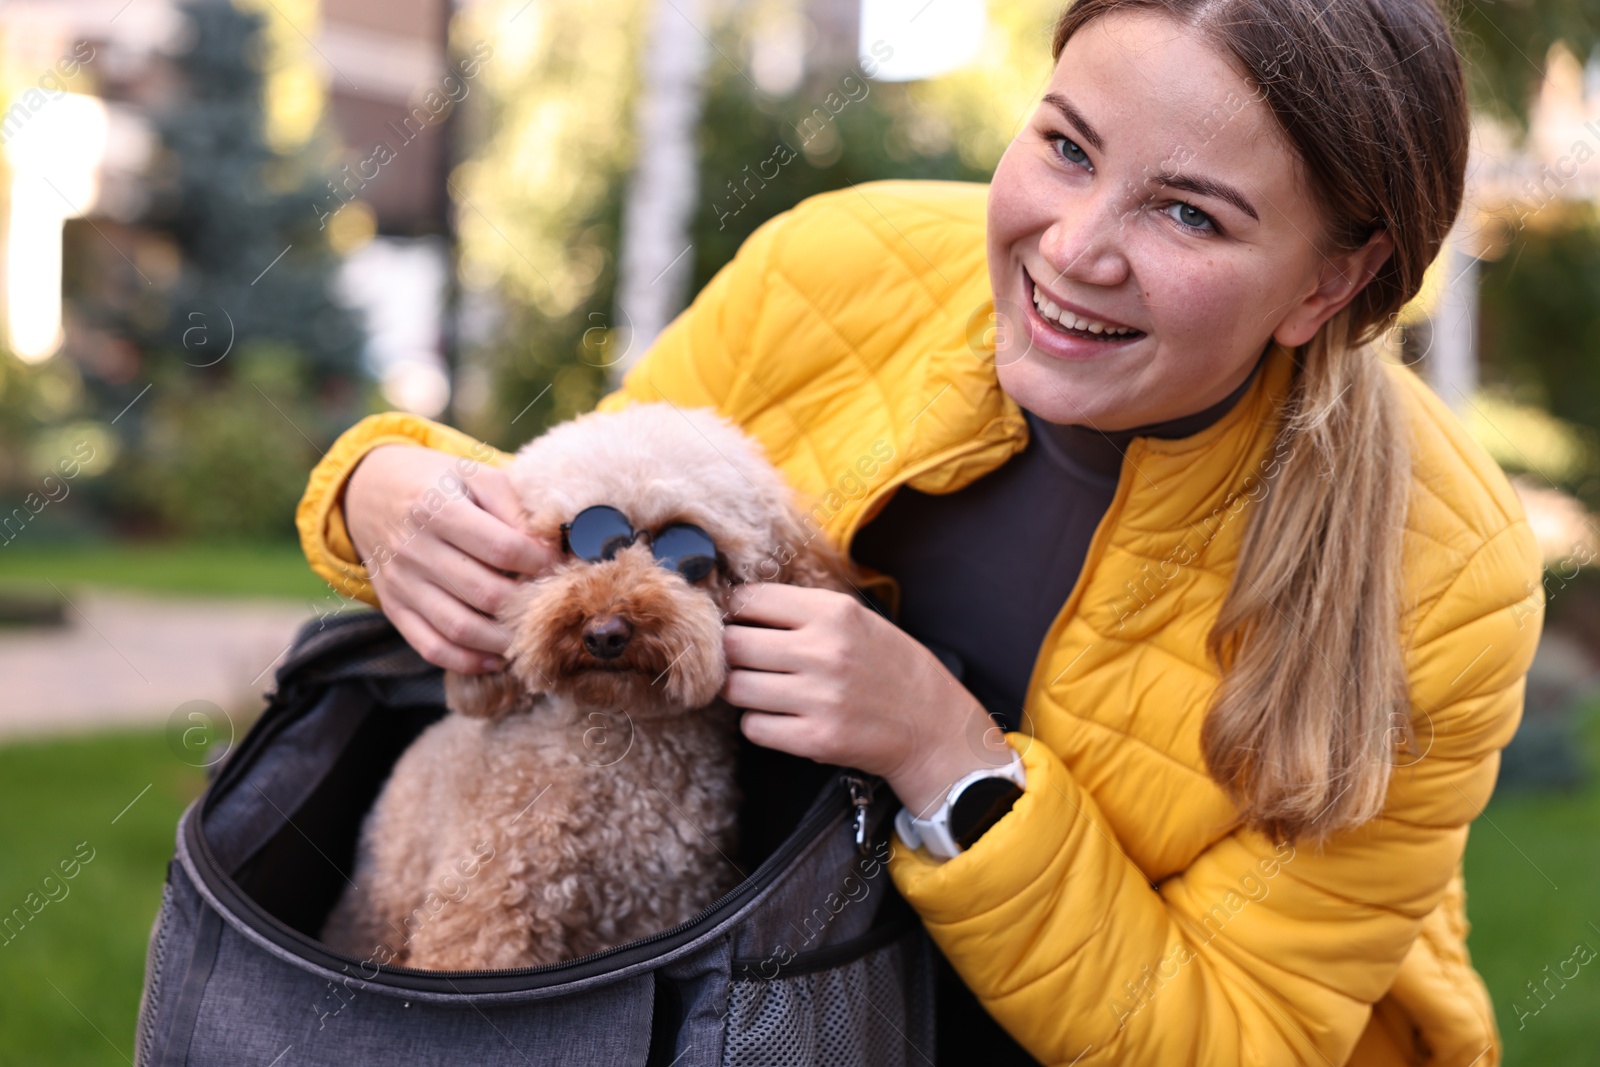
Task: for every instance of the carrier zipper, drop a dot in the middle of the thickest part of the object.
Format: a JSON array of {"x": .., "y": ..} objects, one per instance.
[
  {"x": 861, "y": 799},
  {"x": 825, "y": 810}
]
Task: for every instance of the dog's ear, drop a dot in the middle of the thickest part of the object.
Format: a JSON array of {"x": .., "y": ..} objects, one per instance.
[
  {"x": 808, "y": 558},
  {"x": 485, "y": 696}
]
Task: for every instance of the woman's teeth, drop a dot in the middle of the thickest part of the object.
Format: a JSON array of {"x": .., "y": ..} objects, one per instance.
[{"x": 1068, "y": 321}]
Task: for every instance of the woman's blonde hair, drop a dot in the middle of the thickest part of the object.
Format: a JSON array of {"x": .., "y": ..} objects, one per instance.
[{"x": 1314, "y": 701}]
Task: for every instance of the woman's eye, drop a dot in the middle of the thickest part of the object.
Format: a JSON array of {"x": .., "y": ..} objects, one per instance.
[
  {"x": 1190, "y": 216},
  {"x": 1070, "y": 151}
]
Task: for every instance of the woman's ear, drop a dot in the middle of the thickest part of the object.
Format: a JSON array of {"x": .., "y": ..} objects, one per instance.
[
  {"x": 490, "y": 696},
  {"x": 1341, "y": 279}
]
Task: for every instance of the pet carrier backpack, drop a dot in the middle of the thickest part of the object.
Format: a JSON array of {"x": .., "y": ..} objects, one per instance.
[{"x": 812, "y": 959}]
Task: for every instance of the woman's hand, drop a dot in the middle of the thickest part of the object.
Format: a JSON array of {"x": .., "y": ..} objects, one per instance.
[
  {"x": 826, "y": 677},
  {"x": 438, "y": 567}
]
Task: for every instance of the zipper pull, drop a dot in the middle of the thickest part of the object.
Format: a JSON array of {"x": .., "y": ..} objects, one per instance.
[{"x": 861, "y": 797}]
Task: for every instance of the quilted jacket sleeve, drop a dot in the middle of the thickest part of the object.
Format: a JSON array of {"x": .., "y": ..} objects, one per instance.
[
  {"x": 692, "y": 364},
  {"x": 1254, "y": 954}
]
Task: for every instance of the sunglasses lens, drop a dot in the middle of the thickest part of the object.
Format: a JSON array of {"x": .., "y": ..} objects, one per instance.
[
  {"x": 686, "y": 549},
  {"x": 599, "y": 533}
]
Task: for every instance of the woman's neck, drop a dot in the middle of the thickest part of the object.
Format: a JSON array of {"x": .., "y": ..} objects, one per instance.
[{"x": 1098, "y": 453}]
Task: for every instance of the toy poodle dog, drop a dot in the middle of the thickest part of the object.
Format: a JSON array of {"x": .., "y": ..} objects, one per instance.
[{"x": 586, "y": 796}]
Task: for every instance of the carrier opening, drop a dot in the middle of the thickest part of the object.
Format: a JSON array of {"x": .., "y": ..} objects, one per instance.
[{"x": 300, "y": 869}]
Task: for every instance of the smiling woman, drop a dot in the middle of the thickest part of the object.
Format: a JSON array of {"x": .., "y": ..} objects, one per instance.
[
  {"x": 1151, "y": 289},
  {"x": 1187, "y": 250}
]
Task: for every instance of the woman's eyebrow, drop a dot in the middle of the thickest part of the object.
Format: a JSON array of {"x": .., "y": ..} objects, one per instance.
[
  {"x": 1078, "y": 122},
  {"x": 1209, "y": 187}
]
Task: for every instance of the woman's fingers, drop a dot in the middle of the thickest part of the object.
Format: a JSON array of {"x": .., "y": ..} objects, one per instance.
[
  {"x": 786, "y": 733},
  {"x": 433, "y": 646},
  {"x": 765, "y": 691},
  {"x": 759, "y": 648},
  {"x": 412, "y": 588},
  {"x": 444, "y": 609},
  {"x": 485, "y": 535},
  {"x": 775, "y": 604},
  {"x": 403, "y": 496},
  {"x": 491, "y": 488},
  {"x": 810, "y": 736},
  {"x": 479, "y": 586}
]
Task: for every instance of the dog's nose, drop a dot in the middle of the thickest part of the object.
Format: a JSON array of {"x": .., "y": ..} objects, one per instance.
[{"x": 605, "y": 636}]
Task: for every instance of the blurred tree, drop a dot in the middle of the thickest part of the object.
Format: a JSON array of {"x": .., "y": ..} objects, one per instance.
[
  {"x": 244, "y": 220},
  {"x": 537, "y": 209},
  {"x": 539, "y": 202},
  {"x": 223, "y": 460},
  {"x": 235, "y": 264},
  {"x": 761, "y": 156},
  {"x": 1539, "y": 327},
  {"x": 833, "y": 126},
  {"x": 35, "y": 399},
  {"x": 662, "y": 190},
  {"x": 1506, "y": 41}
]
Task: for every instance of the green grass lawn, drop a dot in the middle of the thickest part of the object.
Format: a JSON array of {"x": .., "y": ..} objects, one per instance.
[
  {"x": 275, "y": 570},
  {"x": 71, "y": 979},
  {"x": 1533, "y": 896}
]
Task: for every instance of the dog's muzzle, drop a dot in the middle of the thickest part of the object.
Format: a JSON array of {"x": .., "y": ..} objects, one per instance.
[{"x": 606, "y": 636}]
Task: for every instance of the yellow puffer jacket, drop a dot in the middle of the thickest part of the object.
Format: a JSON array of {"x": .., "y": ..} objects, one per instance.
[{"x": 1117, "y": 915}]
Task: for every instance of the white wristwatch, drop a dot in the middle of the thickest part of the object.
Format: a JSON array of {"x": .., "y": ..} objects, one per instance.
[{"x": 976, "y": 802}]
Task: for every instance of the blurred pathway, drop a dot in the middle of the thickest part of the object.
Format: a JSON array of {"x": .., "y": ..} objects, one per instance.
[{"x": 130, "y": 660}]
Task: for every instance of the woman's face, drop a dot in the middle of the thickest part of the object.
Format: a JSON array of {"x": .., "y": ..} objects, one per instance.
[{"x": 1149, "y": 232}]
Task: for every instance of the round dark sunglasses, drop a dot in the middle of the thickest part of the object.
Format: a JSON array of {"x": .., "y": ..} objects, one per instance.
[{"x": 600, "y": 532}]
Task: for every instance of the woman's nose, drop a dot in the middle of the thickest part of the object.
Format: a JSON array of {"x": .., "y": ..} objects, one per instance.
[{"x": 1088, "y": 242}]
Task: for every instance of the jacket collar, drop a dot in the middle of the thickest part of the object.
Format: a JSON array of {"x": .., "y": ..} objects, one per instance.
[
  {"x": 1177, "y": 484},
  {"x": 1173, "y": 482}
]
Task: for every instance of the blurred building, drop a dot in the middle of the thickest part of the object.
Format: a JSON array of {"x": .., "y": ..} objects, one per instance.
[
  {"x": 80, "y": 77},
  {"x": 1511, "y": 182},
  {"x": 75, "y": 76},
  {"x": 383, "y": 57},
  {"x": 389, "y": 84}
]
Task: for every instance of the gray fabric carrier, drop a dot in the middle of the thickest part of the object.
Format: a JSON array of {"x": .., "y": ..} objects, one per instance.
[{"x": 813, "y": 959}]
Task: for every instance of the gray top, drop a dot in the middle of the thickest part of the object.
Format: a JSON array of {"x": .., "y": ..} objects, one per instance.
[{"x": 984, "y": 571}]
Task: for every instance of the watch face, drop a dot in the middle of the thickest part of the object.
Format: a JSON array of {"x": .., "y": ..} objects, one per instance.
[{"x": 979, "y": 806}]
